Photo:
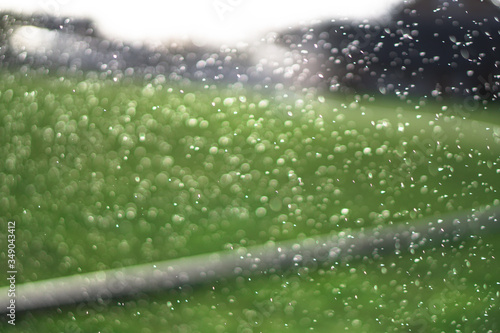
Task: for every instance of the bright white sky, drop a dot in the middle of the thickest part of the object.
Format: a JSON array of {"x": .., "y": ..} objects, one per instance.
[{"x": 225, "y": 21}]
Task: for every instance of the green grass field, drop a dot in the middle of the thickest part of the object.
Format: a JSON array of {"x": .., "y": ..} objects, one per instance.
[{"x": 100, "y": 174}]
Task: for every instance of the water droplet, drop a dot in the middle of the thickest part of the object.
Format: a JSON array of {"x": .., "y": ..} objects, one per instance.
[
  {"x": 275, "y": 204},
  {"x": 260, "y": 212},
  {"x": 260, "y": 147}
]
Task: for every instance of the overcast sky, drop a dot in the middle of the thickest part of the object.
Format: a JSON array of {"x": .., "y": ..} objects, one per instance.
[{"x": 217, "y": 21}]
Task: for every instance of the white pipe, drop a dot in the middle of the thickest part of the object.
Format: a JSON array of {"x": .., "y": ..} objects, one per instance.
[{"x": 344, "y": 246}]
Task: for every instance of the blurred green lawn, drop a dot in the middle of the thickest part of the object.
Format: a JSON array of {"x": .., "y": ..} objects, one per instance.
[{"x": 100, "y": 174}]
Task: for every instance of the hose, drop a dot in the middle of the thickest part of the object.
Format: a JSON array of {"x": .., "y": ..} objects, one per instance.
[{"x": 271, "y": 258}]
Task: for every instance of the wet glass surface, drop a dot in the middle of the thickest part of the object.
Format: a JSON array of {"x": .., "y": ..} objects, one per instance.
[{"x": 116, "y": 155}]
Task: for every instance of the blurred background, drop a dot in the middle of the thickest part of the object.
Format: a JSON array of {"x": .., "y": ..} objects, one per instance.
[
  {"x": 118, "y": 154},
  {"x": 424, "y": 48},
  {"x": 212, "y": 21}
]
